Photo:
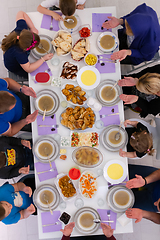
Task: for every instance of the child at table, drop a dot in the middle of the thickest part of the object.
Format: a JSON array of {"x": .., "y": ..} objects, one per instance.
[
  {"x": 139, "y": 140},
  {"x": 17, "y": 45},
  {"x": 67, "y": 7}
]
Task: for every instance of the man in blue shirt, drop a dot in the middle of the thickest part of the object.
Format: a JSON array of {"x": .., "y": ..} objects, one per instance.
[{"x": 11, "y": 107}]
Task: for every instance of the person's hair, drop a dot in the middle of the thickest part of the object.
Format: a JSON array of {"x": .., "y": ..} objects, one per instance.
[
  {"x": 128, "y": 29},
  {"x": 2, "y": 212},
  {"x": 149, "y": 83},
  {"x": 24, "y": 41},
  {"x": 142, "y": 142},
  {"x": 6, "y": 101},
  {"x": 2, "y": 159},
  {"x": 67, "y": 7}
]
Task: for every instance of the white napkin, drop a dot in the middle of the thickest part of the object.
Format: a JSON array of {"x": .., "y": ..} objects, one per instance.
[{"x": 123, "y": 220}]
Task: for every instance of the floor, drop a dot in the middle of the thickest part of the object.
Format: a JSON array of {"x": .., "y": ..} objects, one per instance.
[{"x": 27, "y": 229}]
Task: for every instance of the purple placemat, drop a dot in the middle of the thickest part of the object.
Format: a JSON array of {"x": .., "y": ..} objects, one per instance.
[
  {"x": 49, "y": 120},
  {"x": 122, "y": 183},
  {"x": 41, "y": 167},
  {"x": 110, "y": 120},
  {"x": 98, "y": 19},
  {"x": 107, "y": 67},
  {"x": 42, "y": 68},
  {"x": 104, "y": 217},
  {"x": 46, "y": 22},
  {"x": 48, "y": 219}
]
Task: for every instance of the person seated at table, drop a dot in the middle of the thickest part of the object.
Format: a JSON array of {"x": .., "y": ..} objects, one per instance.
[
  {"x": 140, "y": 36},
  {"x": 108, "y": 233},
  {"x": 17, "y": 45},
  {"x": 15, "y": 157},
  {"x": 140, "y": 141},
  {"x": 67, "y": 7},
  {"x": 142, "y": 91},
  {"x": 145, "y": 183},
  {"x": 14, "y": 112},
  {"x": 15, "y": 202}
]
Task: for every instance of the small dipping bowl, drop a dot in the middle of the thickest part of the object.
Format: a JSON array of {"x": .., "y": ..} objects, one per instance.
[
  {"x": 55, "y": 61},
  {"x": 91, "y": 59},
  {"x": 74, "y": 173}
]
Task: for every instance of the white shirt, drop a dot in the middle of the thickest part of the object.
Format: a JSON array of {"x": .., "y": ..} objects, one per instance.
[{"x": 51, "y": 3}]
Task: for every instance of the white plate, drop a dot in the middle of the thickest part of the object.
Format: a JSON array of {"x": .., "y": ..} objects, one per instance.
[
  {"x": 70, "y": 102},
  {"x": 95, "y": 84},
  {"x": 72, "y": 30},
  {"x": 111, "y": 49},
  {"x": 115, "y": 181},
  {"x": 61, "y": 68}
]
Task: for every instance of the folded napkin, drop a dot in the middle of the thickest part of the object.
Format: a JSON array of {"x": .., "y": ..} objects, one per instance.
[
  {"x": 103, "y": 216},
  {"x": 47, "y": 219},
  {"x": 98, "y": 19},
  {"x": 107, "y": 67},
  {"x": 46, "y": 22},
  {"x": 42, "y": 68},
  {"x": 47, "y": 121},
  {"x": 41, "y": 167},
  {"x": 110, "y": 120}
]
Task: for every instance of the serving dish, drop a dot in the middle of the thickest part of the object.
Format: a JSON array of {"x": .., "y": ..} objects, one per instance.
[
  {"x": 108, "y": 83},
  {"x": 87, "y": 157},
  {"x": 85, "y": 31},
  {"x": 79, "y": 139},
  {"x": 54, "y": 152},
  {"x": 116, "y": 42},
  {"x": 93, "y": 228},
  {"x": 38, "y": 55},
  {"x": 72, "y": 30},
  {"x": 38, "y": 194},
  {"x": 91, "y": 59},
  {"x": 115, "y": 171},
  {"x": 60, "y": 38},
  {"x": 69, "y": 71},
  {"x": 80, "y": 49},
  {"x": 109, "y": 133},
  {"x": 53, "y": 96},
  {"x": 88, "y": 77},
  {"x": 110, "y": 198}
]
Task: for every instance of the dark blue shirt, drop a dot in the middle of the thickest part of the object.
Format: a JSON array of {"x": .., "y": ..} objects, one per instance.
[
  {"x": 15, "y": 56},
  {"x": 14, "y": 114}
]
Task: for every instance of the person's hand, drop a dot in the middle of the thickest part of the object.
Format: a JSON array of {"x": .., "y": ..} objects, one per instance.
[
  {"x": 136, "y": 182},
  {"x": 127, "y": 81},
  {"x": 112, "y": 23},
  {"x": 27, "y": 212},
  {"x": 27, "y": 190},
  {"x": 28, "y": 91},
  {"x": 135, "y": 213},
  {"x": 157, "y": 204},
  {"x": 80, "y": 6},
  {"x": 24, "y": 170},
  {"x": 128, "y": 99},
  {"x": 122, "y": 153},
  {"x": 68, "y": 229},
  {"x": 122, "y": 54},
  {"x": 31, "y": 118},
  {"x": 26, "y": 143},
  {"x": 127, "y": 122},
  {"x": 48, "y": 56},
  {"x": 108, "y": 232},
  {"x": 34, "y": 30},
  {"x": 57, "y": 17}
]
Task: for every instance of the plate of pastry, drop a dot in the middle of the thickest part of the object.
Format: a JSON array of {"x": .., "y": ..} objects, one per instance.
[
  {"x": 74, "y": 94},
  {"x": 62, "y": 43}
]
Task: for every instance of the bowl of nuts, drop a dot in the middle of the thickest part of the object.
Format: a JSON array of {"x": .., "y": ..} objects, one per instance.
[{"x": 91, "y": 59}]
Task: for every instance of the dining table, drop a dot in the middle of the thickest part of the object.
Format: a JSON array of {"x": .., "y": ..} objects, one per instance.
[{"x": 94, "y": 17}]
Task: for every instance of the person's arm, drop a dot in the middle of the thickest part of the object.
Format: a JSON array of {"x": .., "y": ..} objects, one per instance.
[
  {"x": 23, "y": 15},
  {"x": 127, "y": 154},
  {"x": 128, "y": 81},
  {"x": 108, "y": 232},
  {"x": 112, "y": 23},
  {"x": 122, "y": 54},
  {"x": 22, "y": 187},
  {"x": 17, "y": 126},
  {"x": 46, "y": 11},
  {"x": 67, "y": 231},
  {"x": 27, "y": 212},
  {"x": 132, "y": 123},
  {"x": 81, "y": 6}
]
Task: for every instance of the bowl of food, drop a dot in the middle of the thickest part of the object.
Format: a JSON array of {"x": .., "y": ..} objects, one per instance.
[
  {"x": 109, "y": 139},
  {"x": 77, "y": 118},
  {"x": 70, "y": 26},
  {"x": 43, "y": 48},
  {"x": 108, "y": 95},
  {"x": 107, "y": 42},
  {"x": 65, "y": 187},
  {"x": 62, "y": 43},
  {"x": 69, "y": 71},
  {"x": 87, "y": 157},
  {"x": 85, "y": 31},
  {"x": 80, "y": 49},
  {"x": 46, "y": 192},
  {"x": 46, "y": 149},
  {"x": 91, "y": 59},
  {"x": 79, "y": 139}
]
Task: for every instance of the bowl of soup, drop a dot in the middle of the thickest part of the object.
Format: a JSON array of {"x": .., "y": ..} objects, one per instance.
[
  {"x": 71, "y": 27},
  {"x": 122, "y": 198},
  {"x": 107, "y": 42}
]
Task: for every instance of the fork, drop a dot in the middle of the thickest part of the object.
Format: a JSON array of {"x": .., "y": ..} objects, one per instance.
[
  {"x": 106, "y": 115},
  {"x": 109, "y": 215},
  {"x": 53, "y": 126},
  {"x": 51, "y": 25},
  {"x": 107, "y": 61},
  {"x": 101, "y": 57},
  {"x": 56, "y": 223}
]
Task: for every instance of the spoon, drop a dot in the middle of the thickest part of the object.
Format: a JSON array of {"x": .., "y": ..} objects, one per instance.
[
  {"x": 118, "y": 135},
  {"x": 45, "y": 198},
  {"x": 44, "y": 114},
  {"x": 97, "y": 220},
  {"x": 69, "y": 20},
  {"x": 108, "y": 93},
  {"x": 50, "y": 170},
  {"x": 90, "y": 180},
  {"x": 41, "y": 47}
]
